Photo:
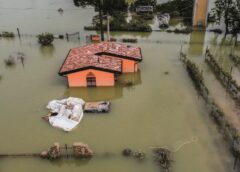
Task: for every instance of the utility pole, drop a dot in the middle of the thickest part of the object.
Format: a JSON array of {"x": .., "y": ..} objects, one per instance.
[{"x": 101, "y": 19}]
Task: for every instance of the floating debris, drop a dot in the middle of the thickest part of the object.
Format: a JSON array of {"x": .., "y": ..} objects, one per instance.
[
  {"x": 14, "y": 58},
  {"x": 54, "y": 152},
  {"x": 10, "y": 61},
  {"x": 166, "y": 73},
  {"x": 163, "y": 157},
  {"x": 139, "y": 155},
  {"x": 81, "y": 150},
  {"x": 60, "y": 10},
  {"x": 127, "y": 152},
  {"x": 77, "y": 150}
]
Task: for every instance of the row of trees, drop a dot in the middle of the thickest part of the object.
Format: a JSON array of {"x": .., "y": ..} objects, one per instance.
[
  {"x": 176, "y": 8},
  {"x": 110, "y": 7},
  {"x": 228, "y": 11}
]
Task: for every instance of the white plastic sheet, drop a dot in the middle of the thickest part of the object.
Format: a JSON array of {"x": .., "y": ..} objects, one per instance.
[{"x": 69, "y": 113}]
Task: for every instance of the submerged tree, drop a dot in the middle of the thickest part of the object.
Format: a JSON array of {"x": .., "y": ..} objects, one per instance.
[
  {"x": 228, "y": 12},
  {"x": 103, "y": 7},
  {"x": 45, "y": 39},
  {"x": 176, "y": 8},
  {"x": 107, "y": 6},
  {"x": 145, "y": 2}
]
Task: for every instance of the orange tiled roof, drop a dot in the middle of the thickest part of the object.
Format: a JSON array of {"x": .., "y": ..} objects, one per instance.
[{"x": 103, "y": 56}]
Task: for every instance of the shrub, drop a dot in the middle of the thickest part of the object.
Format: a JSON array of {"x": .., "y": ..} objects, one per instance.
[
  {"x": 7, "y": 34},
  {"x": 131, "y": 40},
  {"x": 45, "y": 39},
  {"x": 118, "y": 23},
  {"x": 10, "y": 61}
]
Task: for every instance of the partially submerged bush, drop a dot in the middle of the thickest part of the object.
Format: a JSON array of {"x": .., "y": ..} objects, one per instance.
[
  {"x": 118, "y": 23},
  {"x": 127, "y": 152},
  {"x": 7, "y": 34},
  {"x": 45, "y": 39},
  {"x": 10, "y": 61},
  {"x": 131, "y": 40},
  {"x": 139, "y": 155}
]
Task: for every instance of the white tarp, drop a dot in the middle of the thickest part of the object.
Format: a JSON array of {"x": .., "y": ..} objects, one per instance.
[{"x": 69, "y": 113}]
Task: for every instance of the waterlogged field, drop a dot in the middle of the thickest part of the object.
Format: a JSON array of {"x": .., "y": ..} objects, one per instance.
[{"x": 161, "y": 109}]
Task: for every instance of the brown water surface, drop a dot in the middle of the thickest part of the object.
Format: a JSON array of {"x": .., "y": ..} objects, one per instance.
[{"x": 159, "y": 110}]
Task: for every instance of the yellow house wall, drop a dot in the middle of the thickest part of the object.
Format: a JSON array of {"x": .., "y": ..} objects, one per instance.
[
  {"x": 79, "y": 79},
  {"x": 200, "y": 12}
]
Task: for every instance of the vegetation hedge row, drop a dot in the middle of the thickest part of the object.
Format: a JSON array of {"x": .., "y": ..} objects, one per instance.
[
  {"x": 225, "y": 78},
  {"x": 227, "y": 129}
]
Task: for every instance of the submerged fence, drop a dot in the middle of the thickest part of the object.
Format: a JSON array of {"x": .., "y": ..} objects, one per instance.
[
  {"x": 236, "y": 60},
  {"x": 224, "y": 77},
  {"x": 229, "y": 131}
]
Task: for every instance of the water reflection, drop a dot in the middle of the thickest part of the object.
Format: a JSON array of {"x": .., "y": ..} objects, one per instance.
[
  {"x": 196, "y": 49},
  {"x": 131, "y": 34},
  {"x": 130, "y": 79},
  {"x": 47, "y": 51},
  {"x": 70, "y": 161},
  {"x": 106, "y": 93}
]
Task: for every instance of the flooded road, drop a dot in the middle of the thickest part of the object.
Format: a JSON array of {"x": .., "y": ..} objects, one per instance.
[{"x": 161, "y": 108}]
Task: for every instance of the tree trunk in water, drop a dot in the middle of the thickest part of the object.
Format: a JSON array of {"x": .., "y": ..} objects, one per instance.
[
  {"x": 101, "y": 20},
  {"x": 226, "y": 25}
]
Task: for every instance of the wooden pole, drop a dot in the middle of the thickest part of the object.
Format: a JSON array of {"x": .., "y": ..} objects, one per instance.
[
  {"x": 78, "y": 35},
  {"x": 231, "y": 70},
  {"x": 18, "y": 31},
  {"x": 67, "y": 37}
]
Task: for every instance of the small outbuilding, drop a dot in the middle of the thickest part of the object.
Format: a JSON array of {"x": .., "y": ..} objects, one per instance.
[
  {"x": 144, "y": 9},
  {"x": 99, "y": 64}
]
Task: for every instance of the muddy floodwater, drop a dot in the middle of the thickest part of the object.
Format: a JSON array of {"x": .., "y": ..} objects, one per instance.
[{"x": 161, "y": 109}]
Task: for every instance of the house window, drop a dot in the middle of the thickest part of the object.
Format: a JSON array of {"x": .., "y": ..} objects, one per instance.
[{"x": 91, "y": 80}]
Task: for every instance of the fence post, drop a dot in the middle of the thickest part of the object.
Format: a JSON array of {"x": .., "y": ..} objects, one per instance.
[
  {"x": 19, "y": 35},
  {"x": 78, "y": 36},
  {"x": 67, "y": 36}
]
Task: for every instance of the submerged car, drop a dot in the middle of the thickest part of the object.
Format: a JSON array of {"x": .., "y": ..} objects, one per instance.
[
  {"x": 97, "y": 107},
  {"x": 164, "y": 20}
]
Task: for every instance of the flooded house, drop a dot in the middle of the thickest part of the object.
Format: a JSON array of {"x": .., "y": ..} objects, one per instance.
[{"x": 99, "y": 64}]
